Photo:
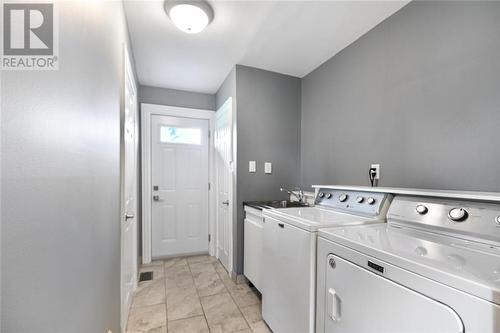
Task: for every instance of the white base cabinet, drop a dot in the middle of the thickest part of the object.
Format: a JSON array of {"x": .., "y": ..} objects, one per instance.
[{"x": 252, "y": 247}]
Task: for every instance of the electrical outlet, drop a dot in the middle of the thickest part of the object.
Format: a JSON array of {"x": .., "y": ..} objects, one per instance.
[{"x": 377, "y": 170}]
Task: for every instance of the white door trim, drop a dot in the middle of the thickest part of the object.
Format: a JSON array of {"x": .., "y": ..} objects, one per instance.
[
  {"x": 147, "y": 111},
  {"x": 128, "y": 75}
]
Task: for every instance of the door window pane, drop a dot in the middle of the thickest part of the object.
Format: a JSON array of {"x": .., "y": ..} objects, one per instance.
[{"x": 190, "y": 136}]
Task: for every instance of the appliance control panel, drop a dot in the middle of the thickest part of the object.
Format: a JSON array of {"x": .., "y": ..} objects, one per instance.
[
  {"x": 354, "y": 202},
  {"x": 470, "y": 219}
]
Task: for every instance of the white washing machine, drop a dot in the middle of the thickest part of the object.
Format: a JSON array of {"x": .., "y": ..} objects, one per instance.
[
  {"x": 289, "y": 253},
  {"x": 433, "y": 267}
]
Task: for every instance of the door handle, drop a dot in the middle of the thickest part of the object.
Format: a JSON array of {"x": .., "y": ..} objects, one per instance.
[
  {"x": 129, "y": 216},
  {"x": 335, "y": 303},
  {"x": 156, "y": 197},
  {"x": 281, "y": 225},
  {"x": 225, "y": 202}
]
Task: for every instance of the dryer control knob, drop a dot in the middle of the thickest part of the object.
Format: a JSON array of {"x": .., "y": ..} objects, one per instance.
[
  {"x": 343, "y": 197},
  {"x": 360, "y": 199},
  {"x": 458, "y": 214},
  {"x": 421, "y": 209},
  {"x": 332, "y": 263},
  {"x": 321, "y": 194},
  {"x": 498, "y": 220},
  {"x": 370, "y": 201},
  {"x": 328, "y": 195}
]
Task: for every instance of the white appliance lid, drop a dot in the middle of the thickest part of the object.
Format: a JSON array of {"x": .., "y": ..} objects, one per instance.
[
  {"x": 313, "y": 218},
  {"x": 465, "y": 265}
]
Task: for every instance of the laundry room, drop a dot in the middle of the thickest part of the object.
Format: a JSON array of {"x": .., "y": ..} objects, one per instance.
[{"x": 249, "y": 166}]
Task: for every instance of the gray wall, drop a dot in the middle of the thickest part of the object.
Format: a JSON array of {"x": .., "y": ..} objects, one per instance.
[
  {"x": 227, "y": 89},
  {"x": 174, "y": 97},
  {"x": 268, "y": 127},
  {"x": 61, "y": 180},
  {"x": 418, "y": 94}
]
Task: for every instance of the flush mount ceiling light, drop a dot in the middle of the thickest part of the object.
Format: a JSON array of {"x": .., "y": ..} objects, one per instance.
[{"x": 189, "y": 16}]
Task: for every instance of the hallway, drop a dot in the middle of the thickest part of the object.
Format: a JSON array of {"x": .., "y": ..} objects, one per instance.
[{"x": 194, "y": 294}]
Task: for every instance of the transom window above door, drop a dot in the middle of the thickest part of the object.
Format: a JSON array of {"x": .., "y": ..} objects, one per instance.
[{"x": 181, "y": 135}]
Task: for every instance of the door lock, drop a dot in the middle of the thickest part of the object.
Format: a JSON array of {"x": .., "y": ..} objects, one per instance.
[
  {"x": 225, "y": 202},
  {"x": 155, "y": 188},
  {"x": 156, "y": 197}
]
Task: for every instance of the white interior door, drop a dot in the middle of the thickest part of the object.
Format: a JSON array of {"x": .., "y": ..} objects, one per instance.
[
  {"x": 129, "y": 194},
  {"x": 179, "y": 178},
  {"x": 223, "y": 158}
]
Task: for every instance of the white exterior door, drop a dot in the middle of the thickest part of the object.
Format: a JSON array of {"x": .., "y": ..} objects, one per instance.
[
  {"x": 179, "y": 178},
  {"x": 223, "y": 152},
  {"x": 129, "y": 195}
]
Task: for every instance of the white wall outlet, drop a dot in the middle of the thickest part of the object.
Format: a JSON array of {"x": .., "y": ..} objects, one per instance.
[
  {"x": 252, "y": 166},
  {"x": 377, "y": 170},
  {"x": 268, "y": 167}
]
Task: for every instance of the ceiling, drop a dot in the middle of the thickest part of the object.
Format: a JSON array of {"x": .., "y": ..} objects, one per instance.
[{"x": 289, "y": 37}]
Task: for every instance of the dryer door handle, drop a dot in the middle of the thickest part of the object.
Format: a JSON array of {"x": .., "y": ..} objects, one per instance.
[{"x": 334, "y": 302}]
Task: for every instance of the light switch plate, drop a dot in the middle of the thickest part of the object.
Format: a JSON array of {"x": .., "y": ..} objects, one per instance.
[
  {"x": 268, "y": 167},
  {"x": 252, "y": 166}
]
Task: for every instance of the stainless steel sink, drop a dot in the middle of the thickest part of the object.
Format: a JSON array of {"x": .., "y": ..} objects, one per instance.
[{"x": 277, "y": 204}]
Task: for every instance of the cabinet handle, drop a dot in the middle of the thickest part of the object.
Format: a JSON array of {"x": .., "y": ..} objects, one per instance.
[
  {"x": 281, "y": 225},
  {"x": 335, "y": 302}
]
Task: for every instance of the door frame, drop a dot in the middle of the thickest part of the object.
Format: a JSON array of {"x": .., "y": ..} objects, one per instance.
[
  {"x": 147, "y": 111},
  {"x": 128, "y": 74}
]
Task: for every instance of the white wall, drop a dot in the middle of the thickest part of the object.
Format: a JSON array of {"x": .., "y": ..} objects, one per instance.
[{"x": 60, "y": 180}]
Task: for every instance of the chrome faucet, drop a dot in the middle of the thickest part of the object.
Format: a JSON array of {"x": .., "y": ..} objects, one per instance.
[{"x": 299, "y": 196}]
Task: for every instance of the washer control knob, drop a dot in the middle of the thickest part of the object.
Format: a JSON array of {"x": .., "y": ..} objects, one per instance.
[
  {"x": 321, "y": 194},
  {"x": 498, "y": 220},
  {"x": 421, "y": 209},
  {"x": 370, "y": 201},
  {"x": 343, "y": 197},
  {"x": 328, "y": 195},
  {"x": 458, "y": 214},
  {"x": 360, "y": 199}
]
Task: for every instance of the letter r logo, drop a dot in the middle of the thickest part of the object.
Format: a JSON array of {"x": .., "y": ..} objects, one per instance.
[{"x": 28, "y": 29}]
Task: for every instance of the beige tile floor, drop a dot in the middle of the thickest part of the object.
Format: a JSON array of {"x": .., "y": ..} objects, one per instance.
[{"x": 194, "y": 294}]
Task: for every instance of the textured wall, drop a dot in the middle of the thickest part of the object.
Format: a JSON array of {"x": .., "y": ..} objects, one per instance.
[
  {"x": 61, "y": 180},
  {"x": 418, "y": 94}
]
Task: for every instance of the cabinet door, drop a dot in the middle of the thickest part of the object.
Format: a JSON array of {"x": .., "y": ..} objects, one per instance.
[
  {"x": 358, "y": 300},
  {"x": 253, "y": 251},
  {"x": 287, "y": 277}
]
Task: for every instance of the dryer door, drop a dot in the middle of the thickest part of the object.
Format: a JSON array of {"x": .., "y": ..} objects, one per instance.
[{"x": 359, "y": 300}]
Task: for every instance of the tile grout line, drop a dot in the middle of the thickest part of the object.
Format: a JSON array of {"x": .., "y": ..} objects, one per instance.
[
  {"x": 238, "y": 307},
  {"x": 199, "y": 297}
]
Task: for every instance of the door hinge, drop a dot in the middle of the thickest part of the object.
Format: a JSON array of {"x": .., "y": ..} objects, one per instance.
[
  {"x": 209, "y": 186},
  {"x": 209, "y": 238},
  {"x": 209, "y": 133}
]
